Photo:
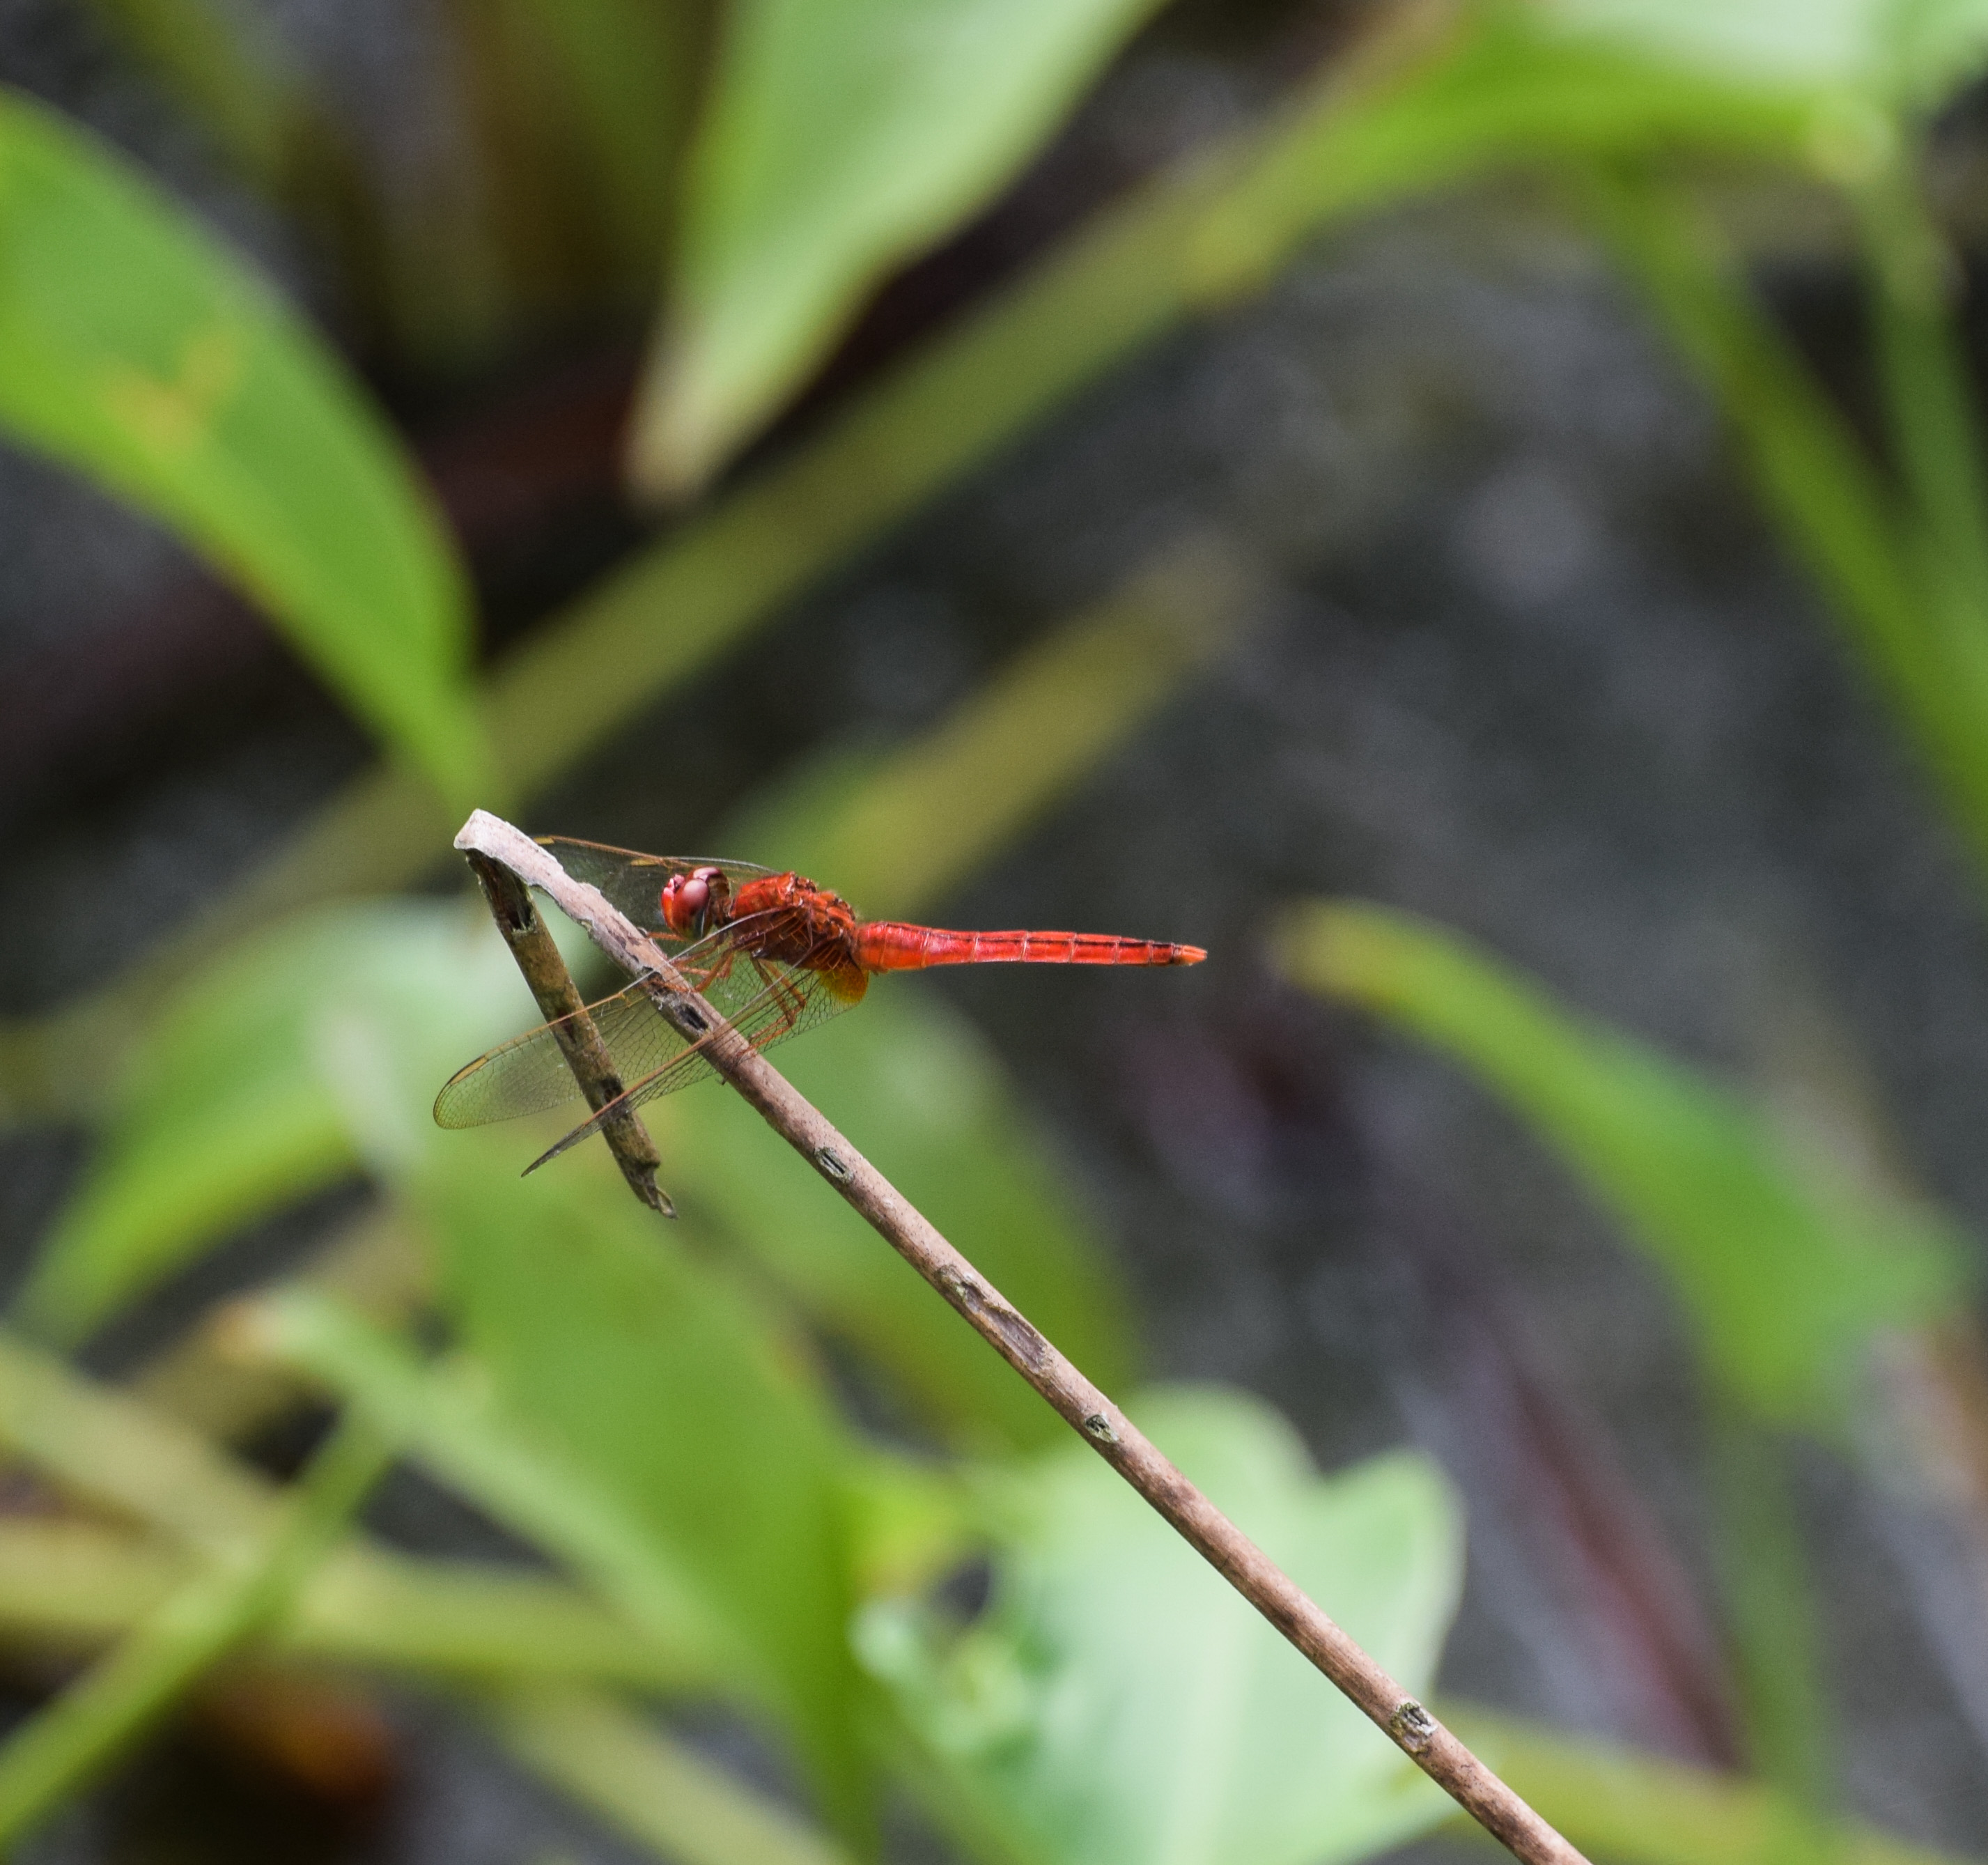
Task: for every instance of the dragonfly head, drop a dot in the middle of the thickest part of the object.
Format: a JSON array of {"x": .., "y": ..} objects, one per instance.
[{"x": 688, "y": 899}]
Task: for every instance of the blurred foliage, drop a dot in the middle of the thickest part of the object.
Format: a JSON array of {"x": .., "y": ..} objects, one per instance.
[
  {"x": 184, "y": 1637},
  {"x": 653, "y": 1411},
  {"x": 1111, "y": 1706},
  {"x": 1787, "y": 1264},
  {"x": 134, "y": 347},
  {"x": 838, "y": 142}
]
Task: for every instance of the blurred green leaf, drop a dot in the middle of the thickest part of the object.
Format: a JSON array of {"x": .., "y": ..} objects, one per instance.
[
  {"x": 135, "y": 348},
  {"x": 1913, "y": 51},
  {"x": 1620, "y": 1803},
  {"x": 448, "y": 1418},
  {"x": 364, "y": 1604},
  {"x": 626, "y": 1407},
  {"x": 1119, "y": 1703},
  {"x": 626, "y": 73},
  {"x": 838, "y": 142},
  {"x": 1773, "y": 1618},
  {"x": 479, "y": 1627},
  {"x": 576, "y": 112},
  {"x": 228, "y": 1111},
  {"x": 1788, "y": 1266},
  {"x": 68, "y": 1585},
  {"x": 1903, "y": 574},
  {"x": 67, "y": 1744},
  {"x": 661, "y": 1384}
]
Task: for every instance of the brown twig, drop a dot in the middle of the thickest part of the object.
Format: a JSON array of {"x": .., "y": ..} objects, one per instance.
[
  {"x": 1411, "y": 1727},
  {"x": 561, "y": 1005}
]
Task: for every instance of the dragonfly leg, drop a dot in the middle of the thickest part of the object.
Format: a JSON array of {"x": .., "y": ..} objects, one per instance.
[{"x": 786, "y": 993}]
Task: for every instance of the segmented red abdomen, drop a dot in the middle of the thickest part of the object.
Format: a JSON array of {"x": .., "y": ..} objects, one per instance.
[{"x": 889, "y": 945}]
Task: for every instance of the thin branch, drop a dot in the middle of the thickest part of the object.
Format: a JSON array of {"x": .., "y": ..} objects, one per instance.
[
  {"x": 1106, "y": 1428},
  {"x": 562, "y": 1006}
]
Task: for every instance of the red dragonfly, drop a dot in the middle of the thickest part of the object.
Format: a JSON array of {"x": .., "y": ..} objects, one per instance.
[{"x": 773, "y": 953}]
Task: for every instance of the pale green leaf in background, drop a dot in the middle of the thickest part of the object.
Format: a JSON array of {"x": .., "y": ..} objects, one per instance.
[
  {"x": 1904, "y": 51},
  {"x": 653, "y": 1380},
  {"x": 1120, "y": 1704},
  {"x": 840, "y": 140},
  {"x": 136, "y": 349},
  {"x": 227, "y": 1110},
  {"x": 1787, "y": 1264}
]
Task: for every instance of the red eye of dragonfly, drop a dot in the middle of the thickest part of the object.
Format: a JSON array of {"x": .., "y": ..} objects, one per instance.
[
  {"x": 685, "y": 897},
  {"x": 773, "y": 954}
]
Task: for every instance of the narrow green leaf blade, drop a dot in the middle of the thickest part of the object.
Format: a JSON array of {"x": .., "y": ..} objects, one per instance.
[
  {"x": 228, "y": 67},
  {"x": 134, "y": 348},
  {"x": 1786, "y": 1268}
]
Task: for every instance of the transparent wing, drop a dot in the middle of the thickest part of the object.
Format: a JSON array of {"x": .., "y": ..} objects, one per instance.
[
  {"x": 634, "y": 882},
  {"x": 765, "y": 1000},
  {"x": 788, "y": 1000},
  {"x": 529, "y": 1073}
]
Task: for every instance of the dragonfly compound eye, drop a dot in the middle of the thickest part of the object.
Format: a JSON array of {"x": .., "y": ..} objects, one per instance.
[{"x": 684, "y": 899}]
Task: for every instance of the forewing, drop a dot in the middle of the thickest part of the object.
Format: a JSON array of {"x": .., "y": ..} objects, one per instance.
[
  {"x": 765, "y": 1001},
  {"x": 633, "y": 882},
  {"x": 529, "y": 1073}
]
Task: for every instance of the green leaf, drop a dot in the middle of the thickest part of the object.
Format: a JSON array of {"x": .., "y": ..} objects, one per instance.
[
  {"x": 1914, "y": 50},
  {"x": 136, "y": 349},
  {"x": 448, "y": 1418},
  {"x": 231, "y": 1106},
  {"x": 840, "y": 141},
  {"x": 1120, "y": 1703},
  {"x": 1787, "y": 1267},
  {"x": 652, "y": 1383},
  {"x": 365, "y": 1606}
]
